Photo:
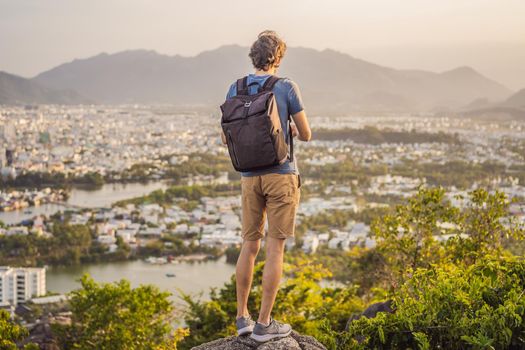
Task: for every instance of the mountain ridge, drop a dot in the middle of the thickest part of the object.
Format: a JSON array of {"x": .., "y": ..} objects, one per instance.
[
  {"x": 330, "y": 80},
  {"x": 18, "y": 90}
]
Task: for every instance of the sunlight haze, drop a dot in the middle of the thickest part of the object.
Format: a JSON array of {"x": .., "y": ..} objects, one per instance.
[{"x": 419, "y": 34}]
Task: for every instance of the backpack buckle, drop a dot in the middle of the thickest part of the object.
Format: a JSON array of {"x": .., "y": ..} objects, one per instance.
[{"x": 247, "y": 104}]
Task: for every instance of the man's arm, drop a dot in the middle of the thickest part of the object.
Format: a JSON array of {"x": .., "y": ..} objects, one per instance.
[
  {"x": 302, "y": 127},
  {"x": 223, "y": 137}
]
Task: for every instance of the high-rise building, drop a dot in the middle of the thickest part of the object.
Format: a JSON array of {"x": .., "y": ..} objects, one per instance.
[
  {"x": 9, "y": 155},
  {"x": 3, "y": 158},
  {"x": 20, "y": 284}
]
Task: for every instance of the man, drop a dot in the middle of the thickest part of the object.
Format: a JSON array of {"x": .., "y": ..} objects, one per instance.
[{"x": 273, "y": 192}]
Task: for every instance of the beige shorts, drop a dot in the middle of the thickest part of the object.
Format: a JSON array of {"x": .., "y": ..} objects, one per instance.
[{"x": 273, "y": 195}]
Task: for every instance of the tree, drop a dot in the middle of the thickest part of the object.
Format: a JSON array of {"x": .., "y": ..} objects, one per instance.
[
  {"x": 454, "y": 307},
  {"x": 10, "y": 333},
  {"x": 407, "y": 237},
  {"x": 312, "y": 304},
  {"x": 429, "y": 230},
  {"x": 116, "y": 316}
]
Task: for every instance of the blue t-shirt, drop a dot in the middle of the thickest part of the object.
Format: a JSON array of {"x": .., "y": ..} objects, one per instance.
[{"x": 289, "y": 102}]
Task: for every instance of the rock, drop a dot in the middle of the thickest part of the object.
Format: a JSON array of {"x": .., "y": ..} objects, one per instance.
[
  {"x": 372, "y": 311},
  {"x": 295, "y": 341}
]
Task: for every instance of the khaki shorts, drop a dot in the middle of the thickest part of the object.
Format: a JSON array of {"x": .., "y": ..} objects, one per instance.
[{"x": 274, "y": 195}]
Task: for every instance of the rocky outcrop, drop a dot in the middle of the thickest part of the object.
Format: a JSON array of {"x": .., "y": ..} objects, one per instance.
[
  {"x": 295, "y": 341},
  {"x": 372, "y": 311}
]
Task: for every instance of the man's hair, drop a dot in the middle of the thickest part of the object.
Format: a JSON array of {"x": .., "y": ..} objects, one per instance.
[{"x": 267, "y": 49}]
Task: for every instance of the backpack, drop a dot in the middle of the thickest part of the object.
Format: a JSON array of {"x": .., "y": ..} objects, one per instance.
[{"x": 253, "y": 129}]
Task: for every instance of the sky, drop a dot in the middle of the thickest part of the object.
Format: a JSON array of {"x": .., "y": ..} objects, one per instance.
[{"x": 488, "y": 35}]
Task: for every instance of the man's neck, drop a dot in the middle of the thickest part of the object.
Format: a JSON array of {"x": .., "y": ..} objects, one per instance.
[{"x": 270, "y": 71}]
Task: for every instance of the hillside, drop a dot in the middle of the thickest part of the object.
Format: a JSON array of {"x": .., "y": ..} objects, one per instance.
[
  {"x": 513, "y": 108},
  {"x": 330, "y": 81},
  {"x": 517, "y": 100},
  {"x": 18, "y": 90}
]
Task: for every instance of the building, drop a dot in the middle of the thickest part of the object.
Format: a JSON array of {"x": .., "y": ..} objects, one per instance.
[
  {"x": 310, "y": 243},
  {"x": 20, "y": 284}
]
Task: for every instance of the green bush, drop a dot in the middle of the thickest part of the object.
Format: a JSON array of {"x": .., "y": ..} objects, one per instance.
[
  {"x": 481, "y": 306},
  {"x": 115, "y": 316}
]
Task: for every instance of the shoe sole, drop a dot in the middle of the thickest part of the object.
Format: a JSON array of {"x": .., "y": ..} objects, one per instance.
[
  {"x": 245, "y": 330},
  {"x": 267, "y": 337}
]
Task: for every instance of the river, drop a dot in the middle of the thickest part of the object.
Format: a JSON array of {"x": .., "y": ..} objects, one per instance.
[
  {"x": 190, "y": 277},
  {"x": 101, "y": 197}
]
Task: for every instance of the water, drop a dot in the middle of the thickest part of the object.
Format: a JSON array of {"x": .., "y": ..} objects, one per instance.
[
  {"x": 195, "y": 278},
  {"x": 190, "y": 277},
  {"x": 101, "y": 197}
]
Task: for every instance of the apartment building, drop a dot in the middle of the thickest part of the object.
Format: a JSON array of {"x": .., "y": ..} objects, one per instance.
[{"x": 20, "y": 284}]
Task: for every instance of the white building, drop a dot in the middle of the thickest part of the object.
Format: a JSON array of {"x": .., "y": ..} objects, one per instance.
[
  {"x": 17, "y": 230},
  {"x": 20, "y": 284},
  {"x": 310, "y": 243}
]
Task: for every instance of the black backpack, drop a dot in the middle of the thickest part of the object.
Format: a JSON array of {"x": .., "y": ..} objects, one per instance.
[{"x": 253, "y": 129}]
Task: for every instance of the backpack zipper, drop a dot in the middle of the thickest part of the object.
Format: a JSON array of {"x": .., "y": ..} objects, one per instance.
[{"x": 233, "y": 148}]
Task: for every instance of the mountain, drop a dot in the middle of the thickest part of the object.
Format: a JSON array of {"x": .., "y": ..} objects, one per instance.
[
  {"x": 330, "y": 81},
  {"x": 513, "y": 108},
  {"x": 517, "y": 100},
  {"x": 18, "y": 90}
]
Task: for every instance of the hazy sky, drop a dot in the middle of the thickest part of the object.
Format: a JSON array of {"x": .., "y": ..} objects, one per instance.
[{"x": 437, "y": 35}]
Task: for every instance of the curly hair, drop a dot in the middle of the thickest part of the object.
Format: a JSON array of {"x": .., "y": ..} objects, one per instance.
[{"x": 266, "y": 50}]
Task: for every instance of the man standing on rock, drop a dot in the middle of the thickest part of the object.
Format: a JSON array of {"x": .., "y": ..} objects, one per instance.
[{"x": 258, "y": 129}]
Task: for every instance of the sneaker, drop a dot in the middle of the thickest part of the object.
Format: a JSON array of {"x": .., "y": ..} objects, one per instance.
[
  {"x": 244, "y": 325},
  {"x": 274, "y": 330}
]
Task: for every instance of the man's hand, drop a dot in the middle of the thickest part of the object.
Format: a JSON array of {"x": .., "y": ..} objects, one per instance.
[
  {"x": 294, "y": 130},
  {"x": 301, "y": 126}
]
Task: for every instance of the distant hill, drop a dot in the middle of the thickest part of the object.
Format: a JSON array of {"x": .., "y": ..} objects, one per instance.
[
  {"x": 18, "y": 90},
  {"x": 330, "y": 81},
  {"x": 517, "y": 100},
  {"x": 513, "y": 108}
]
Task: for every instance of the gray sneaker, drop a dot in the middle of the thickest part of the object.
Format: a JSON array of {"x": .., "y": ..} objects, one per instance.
[
  {"x": 262, "y": 333},
  {"x": 244, "y": 325}
]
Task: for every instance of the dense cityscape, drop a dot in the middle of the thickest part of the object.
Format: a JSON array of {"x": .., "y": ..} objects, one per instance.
[
  {"x": 355, "y": 169},
  {"x": 77, "y": 141}
]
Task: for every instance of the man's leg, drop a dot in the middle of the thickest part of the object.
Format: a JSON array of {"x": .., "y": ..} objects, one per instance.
[
  {"x": 253, "y": 215},
  {"x": 244, "y": 274},
  {"x": 282, "y": 198},
  {"x": 271, "y": 276}
]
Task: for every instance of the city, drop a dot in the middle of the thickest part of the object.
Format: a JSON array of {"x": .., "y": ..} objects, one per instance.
[
  {"x": 365, "y": 174},
  {"x": 203, "y": 175}
]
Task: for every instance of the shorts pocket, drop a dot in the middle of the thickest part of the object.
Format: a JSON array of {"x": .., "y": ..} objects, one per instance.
[{"x": 280, "y": 187}]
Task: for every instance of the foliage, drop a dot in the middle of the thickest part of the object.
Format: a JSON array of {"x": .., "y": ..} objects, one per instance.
[
  {"x": 480, "y": 306},
  {"x": 11, "y": 333},
  {"x": 176, "y": 193},
  {"x": 342, "y": 172},
  {"x": 429, "y": 230},
  {"x": 197, "y": 164},
  {"x": 115, "y": 316},
  {"x": 28, "y": 179},
  {"x": 406, "y": 238},
  {"x": 68, "y": 245},
  {"x": 447, "y": 269},
  {"x": 452, "y": 282},
  {"x": 456, "y": 173},
  {"x": 301, "y": 291},
  {"x": 374, "y": 136}
]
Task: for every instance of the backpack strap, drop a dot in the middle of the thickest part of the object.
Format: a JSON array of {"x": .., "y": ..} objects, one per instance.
[
  {"x": 290, "y": 137},
  {"x": 242, "y": 86},
  {"x": 268, "y": 86},
  {"x": 269, "y": 83}
]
